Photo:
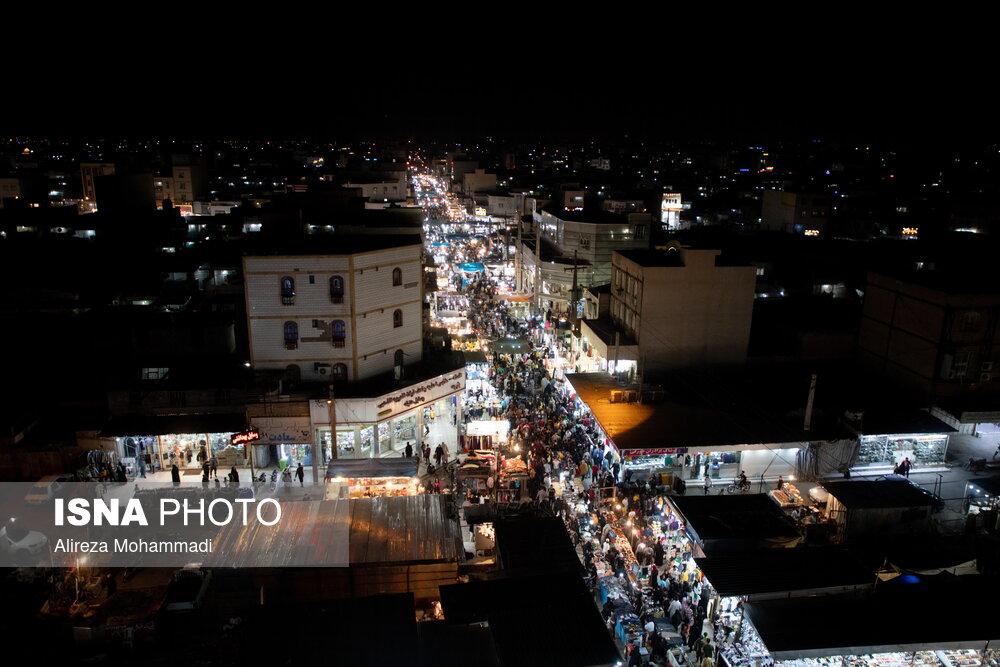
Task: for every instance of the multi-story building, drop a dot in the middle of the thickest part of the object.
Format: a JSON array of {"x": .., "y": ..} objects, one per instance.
[
  {"x": 380, "y": 188},
  {"x": 593, "y": 236},
  {"x": 89, "y": 173},
  {"x": 938, "y": 340},
  {"x": 183, "y": 186},
  {"x": 348, "y": 315},
  {"x": 478, "y": 181},
  {"x": 672, "y": 309}
]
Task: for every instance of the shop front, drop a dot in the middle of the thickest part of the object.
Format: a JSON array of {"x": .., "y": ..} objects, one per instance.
[
  {"x": 372, "y": 478},
  {"x": 152, "y": 444},
  {"x": 723, "y": 464},
  {"x": 381, "y": 427},
  {"x": 924, "y": 450},
  {"x": 284, "y": 442}
]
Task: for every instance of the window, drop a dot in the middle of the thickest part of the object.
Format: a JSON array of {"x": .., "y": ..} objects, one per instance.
[
  {"x": 338, "y": 333},
  {"x": 397, "y": 358},
  {"x": 288, "y": 291},
  {"x": 336, "y": 289},
  {"x": 291, "y": 335},
  {"x": 397, "y": 277},
  {"x": 640, "y": 231},
  {"x": 315, "y": 324},
  {"x": 397, "y": 318},
  {"x": 312, "y": 280},
  {"x": 339, "y": 372}
]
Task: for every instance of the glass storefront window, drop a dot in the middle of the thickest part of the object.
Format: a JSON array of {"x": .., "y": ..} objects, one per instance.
[
  {"x": 345, "y": 444},
  {"x": 384, "y": 443},
  {"x": 873, "y": 450},
  {"x": 367, "y": 434},
  {"x": 404, "y": 430}
]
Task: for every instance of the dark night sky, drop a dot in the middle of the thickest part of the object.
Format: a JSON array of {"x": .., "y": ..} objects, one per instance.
[{"x": 719, "y": 87}]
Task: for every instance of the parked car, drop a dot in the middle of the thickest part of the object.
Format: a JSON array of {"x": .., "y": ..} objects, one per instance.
[
  {"x": 46, "y": 488},
  {"x": 22, "y": 544}
]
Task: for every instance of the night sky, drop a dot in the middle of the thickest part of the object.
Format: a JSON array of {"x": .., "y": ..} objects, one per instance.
[{"x": 442, "y": 86}]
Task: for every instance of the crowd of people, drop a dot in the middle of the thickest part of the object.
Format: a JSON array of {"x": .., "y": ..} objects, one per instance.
[{"x": 570, "y": 470}]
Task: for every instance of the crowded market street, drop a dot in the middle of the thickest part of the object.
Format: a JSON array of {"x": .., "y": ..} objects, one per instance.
[{"x": 527, "y": 440}]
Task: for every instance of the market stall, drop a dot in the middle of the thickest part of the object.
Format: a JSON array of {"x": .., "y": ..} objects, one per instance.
[{"x": 368, "y": 478}]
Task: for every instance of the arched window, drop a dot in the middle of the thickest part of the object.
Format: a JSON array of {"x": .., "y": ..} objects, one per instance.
[
  {"x": 339, "y": 372},
  {"x": 397, "y": 318},
  {"x": 288, "y": 290},
  {"x": 338, "y": 333},
  {"x": 291, "y": 335},
  {"x": 397, "y": 359},
  {"x": 337, "y": 289},
  {"x": 397, "y": 276}
]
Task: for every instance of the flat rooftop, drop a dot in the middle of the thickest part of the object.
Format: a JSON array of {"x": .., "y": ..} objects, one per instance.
[
  {"x": 882, "y": 493},
  {"x": 702, "y": 410},
  {"x": 754, "y": 517},
  {"x": 784, "y": 570}
]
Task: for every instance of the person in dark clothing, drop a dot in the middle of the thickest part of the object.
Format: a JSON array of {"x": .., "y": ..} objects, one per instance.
[
  {"x": 408, "y": 452},
  {"x": 234, "y": 475},
  {"x": 300, "y": 472},
  {"x": 175, "y": 474}
]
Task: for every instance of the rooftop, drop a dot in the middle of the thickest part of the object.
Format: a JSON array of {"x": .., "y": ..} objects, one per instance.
[
  {"x": 329, "y": 244},
  {"x": 754, "y": 518},
  {"x": 859, "y": 625},
  {"x": 782, "y": 570},
  {"x": 701, "y": 410},
  {"x": 882, "y": 493}
]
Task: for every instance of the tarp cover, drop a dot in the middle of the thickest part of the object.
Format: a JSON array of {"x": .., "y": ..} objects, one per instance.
[{"x": 395, "y": 467}]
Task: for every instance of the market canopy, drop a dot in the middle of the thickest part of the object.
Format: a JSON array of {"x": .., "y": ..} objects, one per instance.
[
  {"x": 395, "y": 467},
  {"x": 472, "y": 267},
  {"x": 510, "y": 346},
  {"x": 784, "y": 570}
]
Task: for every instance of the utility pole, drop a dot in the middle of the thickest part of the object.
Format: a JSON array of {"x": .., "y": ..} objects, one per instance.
[
  {"x": 538, "y": 266},
  {"x": 332, "y": 411},
  {"x": 809, "y": 403},
  {"x": 518, "y": 260},
  {"x": 574, "y": 297}
]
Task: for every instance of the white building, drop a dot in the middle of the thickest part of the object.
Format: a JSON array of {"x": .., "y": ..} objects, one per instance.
[
  {"x": 346, "y": 316},
  {"x": 350, "y": 319}
]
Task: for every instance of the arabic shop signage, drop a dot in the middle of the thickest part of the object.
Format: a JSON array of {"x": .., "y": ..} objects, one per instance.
[
  {"x": 286, "y": 430},
  {"x": 244, "y": 437},
  {"x": 416, "y": 395}
]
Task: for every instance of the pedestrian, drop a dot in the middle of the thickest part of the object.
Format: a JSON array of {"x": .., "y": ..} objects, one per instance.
[
  {"x": 781, "y": 483},
  {"x": 300, "y": 472},
  {"x": 427, "y": 455},
  {"x": 906, "y": 465},
  {"x": 234, "y": 476},
  {"x": 437, "y": 456},
  {"x": 708, "y": 483},
  {"x": 214, "y": 462},
  {"x": 408, "y": 451},
  {"x": 437, "y": 485},
  {"x": 175, "y": 473}
]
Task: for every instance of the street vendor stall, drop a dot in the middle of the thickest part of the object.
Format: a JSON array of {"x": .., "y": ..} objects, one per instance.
[{"x": 367, "y": 478}]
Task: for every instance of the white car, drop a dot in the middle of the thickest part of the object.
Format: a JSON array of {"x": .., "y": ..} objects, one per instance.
[{"x": 22, "y": 543}]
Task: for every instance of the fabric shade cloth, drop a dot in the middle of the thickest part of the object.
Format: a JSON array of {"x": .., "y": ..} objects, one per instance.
[{"x": 394, "y": 467}]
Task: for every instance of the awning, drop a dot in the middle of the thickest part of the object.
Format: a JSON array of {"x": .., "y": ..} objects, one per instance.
[
  {"x": 174, "y": 424},
  {"x": 472, "y": 267},
  {"x": 394, "y": 467}
]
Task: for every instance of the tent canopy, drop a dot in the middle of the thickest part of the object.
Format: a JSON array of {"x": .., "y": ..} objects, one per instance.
[{"x": 401, "y": 467}]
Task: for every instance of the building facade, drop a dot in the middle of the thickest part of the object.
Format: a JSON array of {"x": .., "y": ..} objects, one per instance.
[
  {"x": 683, "y": 307},
  {"x": 941, "y": 346},
  {"x": 335, "y": 317}
]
